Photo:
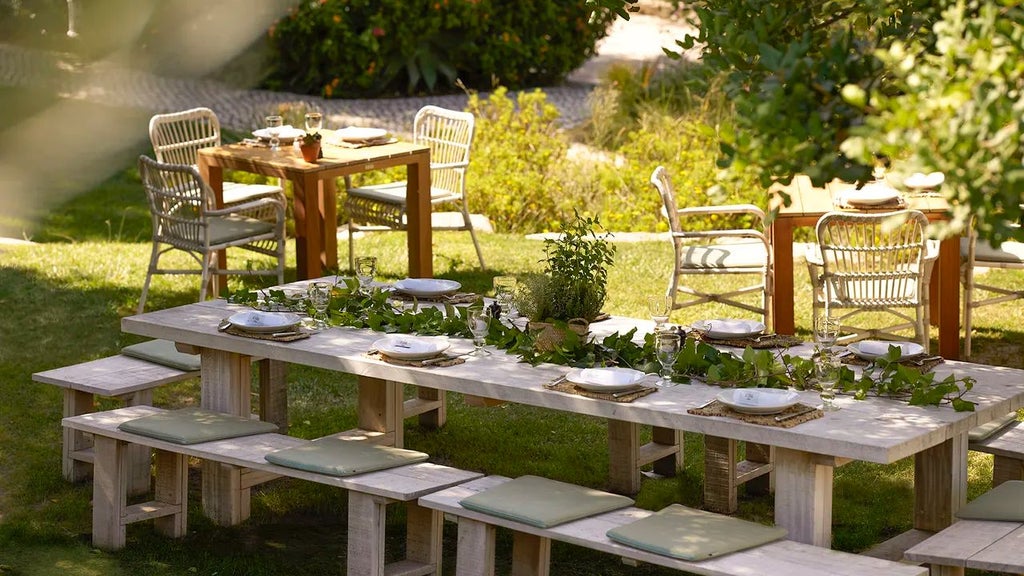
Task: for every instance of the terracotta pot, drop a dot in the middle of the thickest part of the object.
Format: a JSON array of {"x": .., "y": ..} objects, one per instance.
[
  {"x": 549, "y": 335},
  {"x": 310, "y": 152}
]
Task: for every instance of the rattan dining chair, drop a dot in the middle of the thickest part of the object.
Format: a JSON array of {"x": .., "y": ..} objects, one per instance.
[
  {"x": 449, "y": 134},
  {"x": 974, "y": 254},
  {"x": 740, "y": 250},
  {"x": 879, "y": 263},
  {"x": 184, "y": 218},
  {"x": 178, "y": 136}
]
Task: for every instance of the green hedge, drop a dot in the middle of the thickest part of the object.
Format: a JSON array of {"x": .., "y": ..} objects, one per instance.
[{"x": 353, "y": 48}]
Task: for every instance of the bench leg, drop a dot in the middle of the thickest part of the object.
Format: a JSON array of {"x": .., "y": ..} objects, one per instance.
[
  {"x": 274, "y": 393},
  {"x": 423, "y": 531},
  {"x": 109, "y": 494},
  {"x": 73, "y": 467},
  {"x": 139, "y": 457},
  {"x": 1004, "y": 469},
  {"x": 531, "y": 555},
  {"x": 366, "y": 521},
  {"x": 224, "y": 500},
  {"x": 475, "y": 548},
  {"x": 171, "y": 488}
]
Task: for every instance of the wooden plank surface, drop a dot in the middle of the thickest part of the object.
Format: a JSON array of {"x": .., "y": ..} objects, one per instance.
[
  {"x": 112, "y": 376},
  {"x": 964, "y": 541}
]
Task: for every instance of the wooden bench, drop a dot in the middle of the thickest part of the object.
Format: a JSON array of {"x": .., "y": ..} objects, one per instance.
[
  {"x": 532, "y": 545},
  {"x": 369, "y": 494},
  {"x": 1007, "y": 448},
  {"x": 978, "y": 544}
]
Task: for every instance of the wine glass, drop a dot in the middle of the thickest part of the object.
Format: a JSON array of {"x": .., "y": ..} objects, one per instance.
[
  {"x": 274, "y": 124},
  {"x": 660, "y": 307},
  {"x": 314, "y": 121},
  {"x": 366, "y": 269},
  {"x": 667, "y": 349},
  {"x": 477, "y": 320},
  {"x": 320, "y": 299},
  {"x": 826, "y": 332},
  {"x": 504, "y": 289},
  {"x": 826, "y": 370}
]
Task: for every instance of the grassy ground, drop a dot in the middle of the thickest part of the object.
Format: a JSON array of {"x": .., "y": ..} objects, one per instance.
[{"x": 63, "y": 298}]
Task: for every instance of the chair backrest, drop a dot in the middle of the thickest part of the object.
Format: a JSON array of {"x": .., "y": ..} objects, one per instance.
[
  {"x": 873, "y": 260},
  {"x": 178, "y": 200},
  {"x": 449, "y": 134},
  {"x": 176, "y": 137},
  {"x": 660, "y": 180}
]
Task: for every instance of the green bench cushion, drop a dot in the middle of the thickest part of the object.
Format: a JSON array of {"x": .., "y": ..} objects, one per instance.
[
  {"x": 163, "y": 352},
  {"x": 1004, "y": 502},
  {"x": 195, "y": 426},
  {"x": 983, "y": 432},
  {"x": 543, "y": 503},
  {"x": 682, "y": 532},
  {"x": 335, "y": 457}
]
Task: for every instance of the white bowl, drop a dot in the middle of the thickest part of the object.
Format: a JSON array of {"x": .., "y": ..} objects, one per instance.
[
  {"x": 258, "y": 321},
  {"x": 605, "y": 379},
  {"x": 427, "y": 287},
  {"x": 405, "y": 347},
  {"x": 725, "y": 328},
  {"x": 872, "y": 349},
  {"x": 758, "y": 400}
]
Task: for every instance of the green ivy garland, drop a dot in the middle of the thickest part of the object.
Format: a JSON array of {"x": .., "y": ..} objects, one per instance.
[{"x": 885, "y": 377}]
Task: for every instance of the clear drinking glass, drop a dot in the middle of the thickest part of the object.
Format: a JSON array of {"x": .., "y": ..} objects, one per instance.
[
  {"x": 504, "y": 289},
  {"x": 314, "y": 121},
  {"x": 320, "y": 299},
  {"x": 667, "y": 348},
  {"x": 274, "y": 124},
  {"x": 826, "y": 332},
  {"x": 366, "y": 270},
  {"x": 826, "y": 369},
  {"x": 660, "y": 307},
  {"x": 477, "y": 320}
]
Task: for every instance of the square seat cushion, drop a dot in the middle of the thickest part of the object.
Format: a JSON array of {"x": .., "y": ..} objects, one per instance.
[
  {"x": 195, "y": 426},
  {"x": 694, "y": 535},
  {"x": 335, "y": 457},
  {"x": 986, "y": 430},
  {"x": 164, "y": 353},
  {"x": 1004, "y": 502},
  {"x": 543, "y": 503}
]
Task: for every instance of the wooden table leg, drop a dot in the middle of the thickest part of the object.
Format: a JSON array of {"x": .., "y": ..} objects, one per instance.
[
  {"x": 803, "y": 496},
  {"x": 308, "y": 246},
  {"x": 782, "y": 255},
  {"x": 945, "y": 297},
  {"x": 329, "y": 224},
  {"x": 225, "y": 381},
  {"x": 381, "y": 409},
  {"x": 419, "y": 233},
  {"x": 940, "y": 483}
]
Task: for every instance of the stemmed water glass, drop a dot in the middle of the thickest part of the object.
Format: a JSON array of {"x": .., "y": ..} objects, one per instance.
[
  {"x": 826, "y": 371},
  {"x": 477, "y": 320},
  {"x": 660, "y": 307},
  {"x": 274, "y": 124},
  {"x": 826, "y": 332},
  {"x": 366, "y": 269},
  {"x": 504, "y": 290},
  {"x": 320, "y": 299},
  {"x": 667, "y": 346}
]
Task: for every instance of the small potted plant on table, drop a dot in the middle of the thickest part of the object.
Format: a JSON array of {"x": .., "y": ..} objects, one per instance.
[
  {"x": 570, "y": 292},
  {"x": 310, "y": 146}
]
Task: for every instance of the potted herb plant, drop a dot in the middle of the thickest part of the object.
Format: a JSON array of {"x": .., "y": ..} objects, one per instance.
[
  {"x": 571, "y": 290},
  {"x": 310, "y": 146}
]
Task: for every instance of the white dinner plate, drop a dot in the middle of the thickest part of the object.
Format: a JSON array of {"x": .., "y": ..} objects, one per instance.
[
  {"x": 286, "y": 135},
  {"x": 871, "y": 349},
  {"x": 924, "y": 181},
  {"x": 605, "y": 379},
  {"x": 405, "y": 347},
  {"x": 758, "y": 400},
  {"x": 258, "y": 321},
  {"x": 427, "y": 287},
  {"x": 725, "y": 328},
  {"x": 871, "y": 195},
  {"x": 357, "y": 134}
]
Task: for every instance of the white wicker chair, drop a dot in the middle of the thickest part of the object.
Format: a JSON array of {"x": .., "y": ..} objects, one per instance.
[
  {"x": 976, "y": 253},
  {"x": 726, "y": 251},
  {"x": 449, "y": 134},
  {"x": 176, "y": 138},
  {"x": 878, "y": 262},
  {"x": 184, "y": 218}
]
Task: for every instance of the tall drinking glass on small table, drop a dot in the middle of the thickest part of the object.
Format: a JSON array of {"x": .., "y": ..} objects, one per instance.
[{"x": 274, "y": 124}]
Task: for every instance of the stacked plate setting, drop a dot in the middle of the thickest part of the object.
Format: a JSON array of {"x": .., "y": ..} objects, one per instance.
[
  {"x": 364, "y": 136},
  {"x": 264, "y": 322},
  {"x": 405, "y": 347},
  {"x": 286, "y": 134},
  {"x": 606, "y": 379},
  {"x": 427, "y": 287},
  {"x": 729, "y": 328}
]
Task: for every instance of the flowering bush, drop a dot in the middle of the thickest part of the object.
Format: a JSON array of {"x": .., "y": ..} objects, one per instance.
[{"x": 355, "y": 48}]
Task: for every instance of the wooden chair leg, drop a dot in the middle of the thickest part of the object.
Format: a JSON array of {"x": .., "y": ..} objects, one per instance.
[
  {"x": 366, "y": 522},
  {"x": 475, "y": 548}
]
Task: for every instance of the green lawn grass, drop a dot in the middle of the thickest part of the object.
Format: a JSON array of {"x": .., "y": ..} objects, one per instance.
[{"x": 63, "y": 298}]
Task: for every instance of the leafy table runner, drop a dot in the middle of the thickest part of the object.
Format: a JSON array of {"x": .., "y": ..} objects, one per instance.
[
  {"x": 570, "y": 388},
  {"x": 457, "y": 298},
  {"x": 717, "y": 408},
  {"x": 283, "y": 336},
  {"x": 926, "y": 364},
  {"x": 449, "y": 360},
  {"x": 756, "y": 342}
]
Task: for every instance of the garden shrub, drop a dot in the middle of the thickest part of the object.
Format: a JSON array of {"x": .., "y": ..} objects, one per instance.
[{"x": 355, "y": 48}]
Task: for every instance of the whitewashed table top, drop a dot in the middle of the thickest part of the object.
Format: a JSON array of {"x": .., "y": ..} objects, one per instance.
[{"x": 875, "y": 430}]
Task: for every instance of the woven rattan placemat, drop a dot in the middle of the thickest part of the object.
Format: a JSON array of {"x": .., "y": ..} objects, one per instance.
[
  {"x": 570, "y": 388},
  {"x": 924, "y": 364},
  {"x": 763, "y": 341},
  {"x": 457, "y": 298},
  {"x": 449, "y": 360},
  {"x": 286, "y": 336},
  {"x": 717, "y": 408}
]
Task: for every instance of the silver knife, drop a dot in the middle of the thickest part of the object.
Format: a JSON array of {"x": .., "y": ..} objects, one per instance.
[{"x": 807, "y": 410}]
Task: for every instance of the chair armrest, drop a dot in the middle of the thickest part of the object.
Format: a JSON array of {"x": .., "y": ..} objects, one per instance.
[
  {"x": 448, "y": 165},
  {"x": 257, "y": 206},
  {"x": 731, "y": 233},
  {"x": 736, "y": 209}
]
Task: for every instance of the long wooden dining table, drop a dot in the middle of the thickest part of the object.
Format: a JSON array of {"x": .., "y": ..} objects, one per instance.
[
  {"x": 808, "y": 203},
  {"x": 315, "y": 193},
  {"x": 875, "y": 430}
]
